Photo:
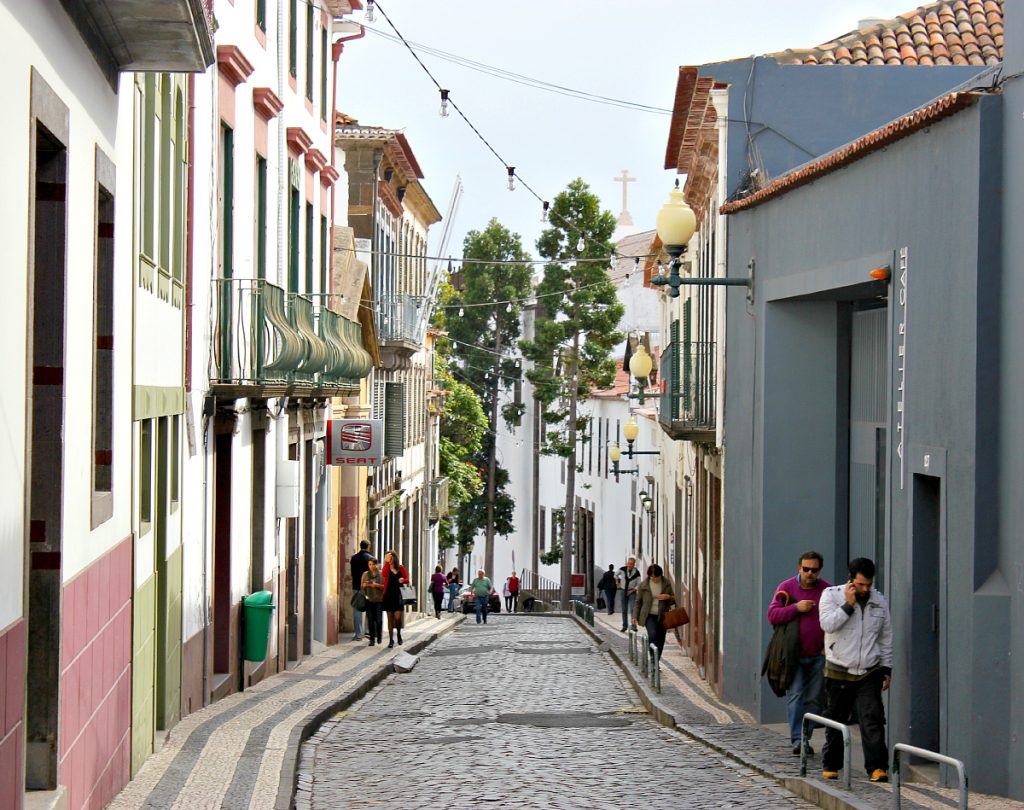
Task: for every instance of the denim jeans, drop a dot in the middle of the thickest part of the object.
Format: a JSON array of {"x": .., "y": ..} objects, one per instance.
[
  {"x": 357, "y": 622},
  {"x": 628, "y": 603},
  {"x": 804, "y": 695},
  {"x": 453, "y": 591},
  {"x": 481, "y": 608}
]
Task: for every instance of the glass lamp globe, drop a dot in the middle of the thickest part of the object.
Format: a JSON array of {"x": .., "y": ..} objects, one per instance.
[
  {"x": 675, "y": 222},
  {"x": 631, "y": 430},
  {"x": 640, "y": 364}
]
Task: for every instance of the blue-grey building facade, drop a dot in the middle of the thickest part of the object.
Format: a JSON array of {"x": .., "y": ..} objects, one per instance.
[{"x": 868, "y": 417}]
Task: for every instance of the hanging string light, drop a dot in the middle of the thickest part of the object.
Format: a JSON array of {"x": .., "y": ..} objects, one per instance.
[
  {"x": 511, "y": 178},
  {"x": 369, "y": 17},
  {"x": 509, "y": 307},
  {"x": 581, "y": 244},
  {"x": 544, "y": 211},
  {"x": 461, "y": 312},
  {"x": 444, "y": 103}
]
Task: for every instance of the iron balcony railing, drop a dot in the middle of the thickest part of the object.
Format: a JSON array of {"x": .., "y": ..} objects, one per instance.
[
  {"x": 689, "y": 380},
  {"x": 398, "y": 318},
  {"x": 438, "y": 499},
  {"x": 263, "y": 337}
]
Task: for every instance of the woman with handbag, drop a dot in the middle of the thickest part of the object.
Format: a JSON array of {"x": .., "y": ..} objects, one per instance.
[
  {"x": 373, "y": 590},
  {"x": 395, "y": 576},
  {"x": 454, "y": 583},
  {"x": 438, "y": 585},
  {"x": 654, "y": 597}
]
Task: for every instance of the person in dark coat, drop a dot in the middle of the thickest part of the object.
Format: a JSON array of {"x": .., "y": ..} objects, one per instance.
[
  {"x": 607, "y": 584},
  {"x": 395, "y": 576},
  {"x": 358, "y": 566}
]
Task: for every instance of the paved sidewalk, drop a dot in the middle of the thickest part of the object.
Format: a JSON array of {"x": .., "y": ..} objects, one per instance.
[
  {"x": 688, "y": 704},
  {"x": 242, "y": 752}
]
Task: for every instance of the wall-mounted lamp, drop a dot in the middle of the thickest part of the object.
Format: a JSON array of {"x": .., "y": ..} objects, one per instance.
[
  {"x": 675, "y": 224},
  {"x": 631, "y": 430},
  {"x": 615, "y": 455},
  {"x": 646, "y": 502}
]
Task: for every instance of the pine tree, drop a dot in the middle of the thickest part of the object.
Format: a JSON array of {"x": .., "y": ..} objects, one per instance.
[{"x": 575, "y": 333}]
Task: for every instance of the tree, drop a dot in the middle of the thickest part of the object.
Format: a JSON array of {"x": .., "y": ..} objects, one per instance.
[
  {"x": 489, "y": 303},
  {"x": 463, "y": 426},
  {"x": 575, "y": 332}
]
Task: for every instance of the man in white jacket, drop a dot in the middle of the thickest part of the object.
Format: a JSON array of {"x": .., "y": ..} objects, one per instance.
[{"x": 858, "y": 667}]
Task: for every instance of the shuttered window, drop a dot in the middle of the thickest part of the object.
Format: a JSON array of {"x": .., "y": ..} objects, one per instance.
[{"x": 394, "y": 418}]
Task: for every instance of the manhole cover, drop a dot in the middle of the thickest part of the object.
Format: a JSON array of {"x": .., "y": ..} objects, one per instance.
[
  {"x": 466, "y": 650},
  {"x": 555, "y": 651},
  {"x": 564, "y": 720}
]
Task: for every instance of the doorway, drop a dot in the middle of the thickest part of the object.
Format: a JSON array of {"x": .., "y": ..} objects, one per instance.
[
  {"x": 926, "y": 613},
  {"x": 222, "y": 559},
  {"x": 44, "y": 497}
]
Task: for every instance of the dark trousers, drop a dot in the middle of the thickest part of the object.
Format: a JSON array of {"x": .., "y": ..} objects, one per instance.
[
  {"x": 655, "y": 632},
  {"x": 374, "y": 613},
  {"x": 609, "y": 597},
  {"x": 438, "y": 599},
  {"x": 866, "y": 696}
]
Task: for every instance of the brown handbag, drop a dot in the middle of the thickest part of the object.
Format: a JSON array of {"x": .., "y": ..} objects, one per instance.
[{"x": 676, "y": 617}]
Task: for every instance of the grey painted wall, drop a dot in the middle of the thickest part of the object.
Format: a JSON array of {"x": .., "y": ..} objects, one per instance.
[
  {"x": 937, "y": 194},
  {"x": 1003, "y": 597},
  {"x": 799, "y": 112}
]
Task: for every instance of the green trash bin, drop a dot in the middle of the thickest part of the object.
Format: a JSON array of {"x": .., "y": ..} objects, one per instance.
[{"x": 257, "y": 611}]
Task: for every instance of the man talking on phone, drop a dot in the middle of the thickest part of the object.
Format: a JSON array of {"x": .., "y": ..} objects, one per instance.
[{"x": 858, "y": 667}]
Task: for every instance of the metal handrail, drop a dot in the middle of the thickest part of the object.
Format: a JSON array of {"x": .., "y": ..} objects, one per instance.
[
  {"x": 847, "y": 744},
  {"x": 942, "y": 759}
]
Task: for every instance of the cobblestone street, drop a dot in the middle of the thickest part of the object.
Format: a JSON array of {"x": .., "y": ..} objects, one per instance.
[{"x": 523, "y": 712}]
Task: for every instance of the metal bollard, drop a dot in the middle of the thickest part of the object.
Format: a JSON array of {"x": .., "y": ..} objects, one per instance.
[
  {"x": 644, "y": 659},
  {"x": 942, "y": 759},
  {"x": 655, "y": 667},
  {"x": 632, "y": 645}
]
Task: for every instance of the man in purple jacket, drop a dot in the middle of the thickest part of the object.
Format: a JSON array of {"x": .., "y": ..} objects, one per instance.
[{"x": 802, "y": 595}]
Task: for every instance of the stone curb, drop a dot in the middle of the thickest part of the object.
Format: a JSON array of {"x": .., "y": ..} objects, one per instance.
[
  {"x": 813, "y": 791},
  {"x": 305, "y": 728}
]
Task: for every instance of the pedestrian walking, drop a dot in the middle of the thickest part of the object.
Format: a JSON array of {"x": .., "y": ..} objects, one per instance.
[
  {"x": 858, "y": 667},
  {"x": 655, "y": 595},
  {"x": 395, "y": 576},
  {"x": 454, "y": 583},
  {"x": 505, "y": 592},
  {"x": 482, "y": 590},
  {"x": 797, "y": 599},
  {"x": 629, "y": 581},
  {"x": 513, "y": 589},
  {"x": 607, "y": 585},
  {"x": 438, "y": 585},
  {"x": 358, "y": 566},
  {"x": 372, "y": 586}
]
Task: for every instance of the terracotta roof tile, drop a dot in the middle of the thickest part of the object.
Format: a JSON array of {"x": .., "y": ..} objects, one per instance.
[
  {"x": 893, "y": 131},
  {"x": 958, "y": 32}
]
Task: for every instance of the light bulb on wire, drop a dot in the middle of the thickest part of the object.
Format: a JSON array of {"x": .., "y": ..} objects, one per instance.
[
  {"x": 369, "y": 11},
  {"x": 511, "y": 178},
  {"x": 462, "y": 312},
  {"x": 544, "y": 211},
  {"x": 581, "y": 245},
  {"x": 509, "y": 307},
  {"x": 444, "y": 103}
]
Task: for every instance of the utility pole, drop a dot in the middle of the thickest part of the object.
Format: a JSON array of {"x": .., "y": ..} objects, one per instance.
[{"x": 492, "y": 462}]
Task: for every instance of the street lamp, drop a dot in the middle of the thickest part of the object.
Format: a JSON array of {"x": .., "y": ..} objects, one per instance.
[
  {"x": 615, "y": 456},
  {"x": 675, "y": 225},
  {"x": 631, "y": 430}
]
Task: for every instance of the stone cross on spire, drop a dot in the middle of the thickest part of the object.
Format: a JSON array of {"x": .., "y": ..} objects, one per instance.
[{"x": 625, "y": 218}]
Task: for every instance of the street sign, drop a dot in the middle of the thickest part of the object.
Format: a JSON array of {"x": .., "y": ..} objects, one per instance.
[
  {"x": 355, "y": 442},
  {"x": 579, "y": 584}
]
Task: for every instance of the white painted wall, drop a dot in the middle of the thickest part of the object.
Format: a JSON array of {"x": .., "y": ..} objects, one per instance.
[{"x": 40, "y": 35}]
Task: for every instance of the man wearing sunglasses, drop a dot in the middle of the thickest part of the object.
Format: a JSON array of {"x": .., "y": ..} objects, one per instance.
[{"x": 797, "y": 599}]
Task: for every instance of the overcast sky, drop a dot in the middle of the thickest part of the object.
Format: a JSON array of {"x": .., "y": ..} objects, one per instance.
[{"x": 624, "y": 50}]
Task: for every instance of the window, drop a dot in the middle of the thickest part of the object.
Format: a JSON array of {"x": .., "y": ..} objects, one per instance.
[
  {"x": 180, "y": 171},
  {"x": 175, "y": 465},
  {"x": 261, "y": 15},
  {"x": 227, "y": 199},
  {"x": 103, "y": 347},
  {"x": 293, "y": 39},
  {"x": 309, "y": 50},
  {"x": 309, "y": 248},
  {"x": 324, "y": 254},
  {"x": 145, "y": 475},
  {"x": 543, "y": 529},
  {"x": 325, "y": 60},
  {"x": 166, "y": 140},
  {"x": 294, "y": 212},
  {"x": 261, "y": 217},
  {"x": 148, "y": 136}
]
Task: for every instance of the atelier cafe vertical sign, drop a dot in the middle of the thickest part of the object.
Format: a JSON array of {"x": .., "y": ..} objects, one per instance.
[
  {"x": 355, "y": 442},
  {"x": 901, "y": 356}
]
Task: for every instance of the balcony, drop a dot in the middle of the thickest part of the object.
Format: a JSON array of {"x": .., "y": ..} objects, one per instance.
[
  {"x": 268, "y": 343},
  {"x": 689, "y": 379},
  {"x": 171, "y": 36},
  {"x": 438, "y": 499},
  {"x": 397, "y": 325}
]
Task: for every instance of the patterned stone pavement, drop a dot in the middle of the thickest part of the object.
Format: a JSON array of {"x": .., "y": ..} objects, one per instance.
[
  {"x": 525, "y": 712},
  {"x": 240, "y": 752}
]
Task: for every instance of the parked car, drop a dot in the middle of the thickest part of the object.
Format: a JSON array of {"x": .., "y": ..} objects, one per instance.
[{"x": 469, "y": 601}]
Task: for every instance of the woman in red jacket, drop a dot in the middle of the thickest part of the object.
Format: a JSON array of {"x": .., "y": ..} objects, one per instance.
[{"x": 395, "y": 576}]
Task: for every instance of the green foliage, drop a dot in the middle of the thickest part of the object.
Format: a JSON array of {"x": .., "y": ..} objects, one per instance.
[{"x": 576, "y": 299}]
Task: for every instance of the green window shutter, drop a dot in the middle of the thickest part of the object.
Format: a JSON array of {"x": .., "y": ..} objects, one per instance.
[
  {"x": 309, "y": 51},
  {"x": 261, "y": 15},
  {"x": 325, "y": 60},
  {"x": 293, "y": 39},
  {"x": 687, "y": 350},
  {"x": 261, "y": 217},
  {"x": 309, "y": 250},
  {"x": 394, "y": 418}
]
